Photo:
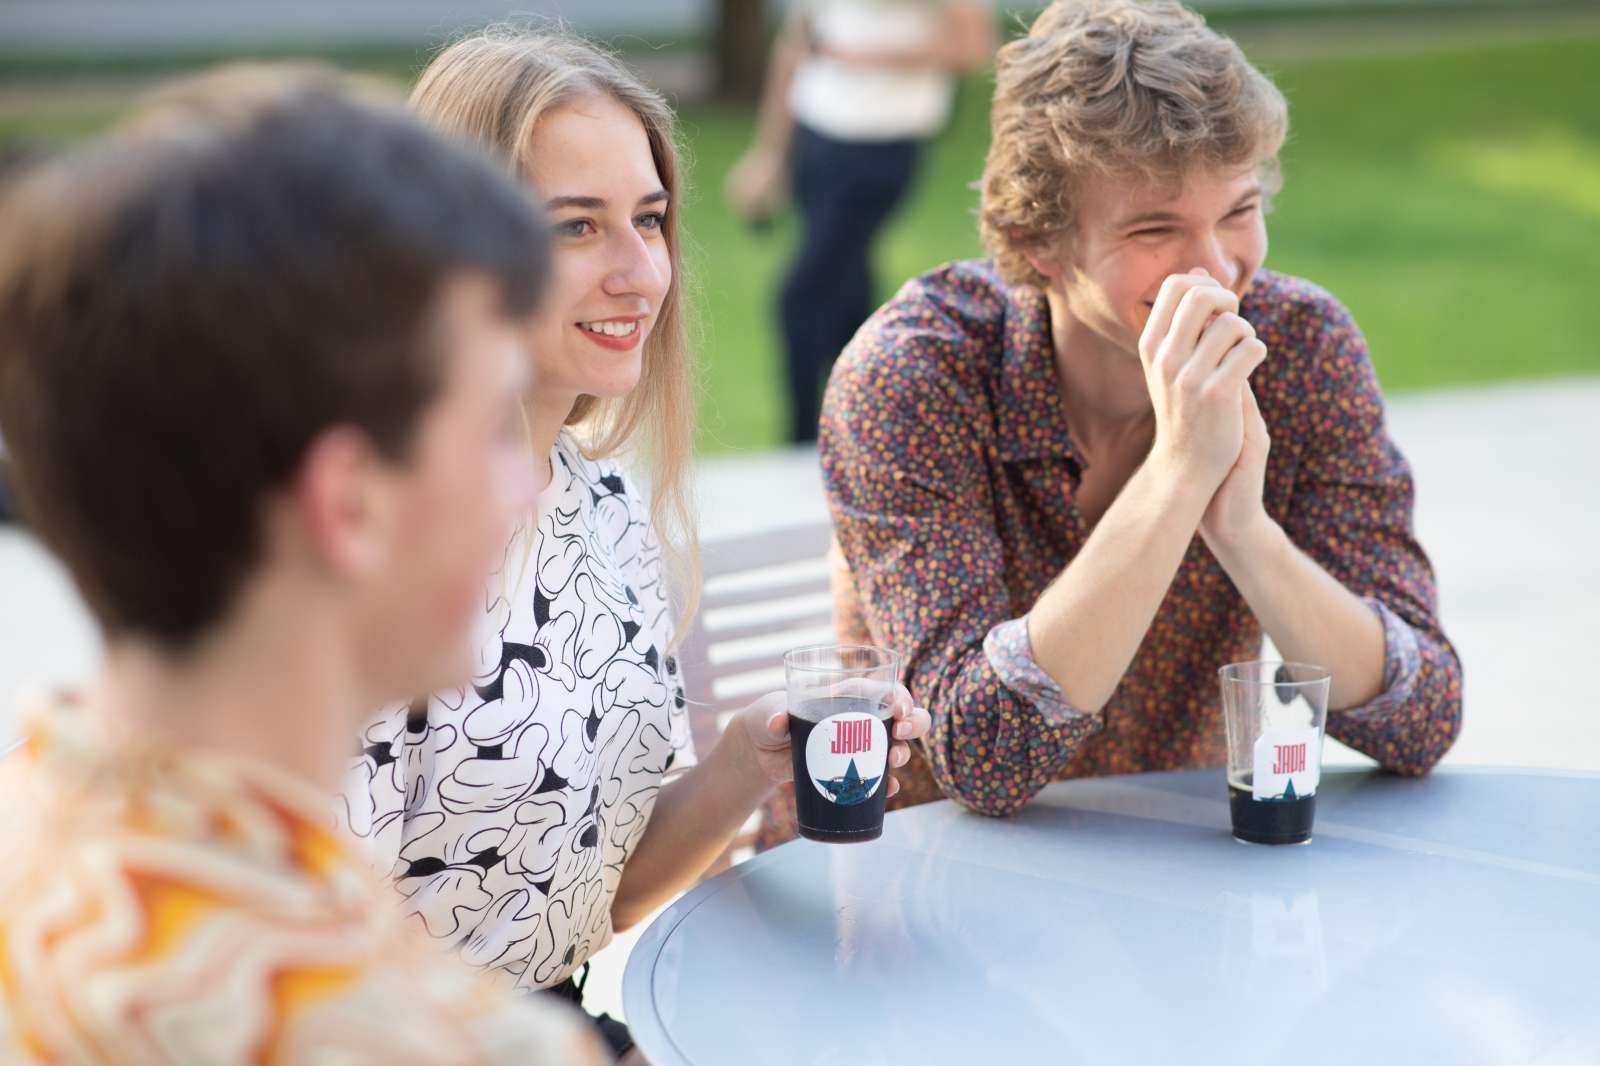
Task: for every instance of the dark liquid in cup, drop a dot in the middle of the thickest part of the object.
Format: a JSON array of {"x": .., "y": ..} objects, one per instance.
[
  {"x": 1269, "y": 821},
  {"x": 836, "y": 803}
]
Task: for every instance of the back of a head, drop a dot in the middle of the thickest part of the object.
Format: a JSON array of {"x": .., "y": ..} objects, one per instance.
[
  {"x": 1141, "y": 90},
  {"x": 185, "y": 305}
]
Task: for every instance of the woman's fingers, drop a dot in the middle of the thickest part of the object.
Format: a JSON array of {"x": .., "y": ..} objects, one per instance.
[
  {"x": 911, "y": 722},
  {"x": 778, "y": 725}
]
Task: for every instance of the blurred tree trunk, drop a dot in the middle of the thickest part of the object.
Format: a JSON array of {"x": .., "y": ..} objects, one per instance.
[{"x": 741, "y": 48}]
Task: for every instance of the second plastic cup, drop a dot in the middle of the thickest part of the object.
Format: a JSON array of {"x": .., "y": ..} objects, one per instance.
[{"x": 1275, "y": 714}]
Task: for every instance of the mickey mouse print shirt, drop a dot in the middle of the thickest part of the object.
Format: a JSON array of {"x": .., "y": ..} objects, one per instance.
[{"x": 505, "y": 811}]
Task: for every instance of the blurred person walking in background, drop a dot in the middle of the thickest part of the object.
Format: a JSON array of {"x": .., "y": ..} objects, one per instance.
[{"x": 855, "y": 89}]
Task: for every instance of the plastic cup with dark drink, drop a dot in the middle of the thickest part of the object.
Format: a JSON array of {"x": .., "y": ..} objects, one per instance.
[
  {"x": 1275, "y": 714},
  {"x": 841, "y": 701}
]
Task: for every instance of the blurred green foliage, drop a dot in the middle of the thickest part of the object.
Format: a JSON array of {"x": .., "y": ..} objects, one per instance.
[{"x": 1449, "y": 195}]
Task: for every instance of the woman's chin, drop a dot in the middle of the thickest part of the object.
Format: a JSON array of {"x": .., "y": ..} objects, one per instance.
[{"x": 614, "y": 386}]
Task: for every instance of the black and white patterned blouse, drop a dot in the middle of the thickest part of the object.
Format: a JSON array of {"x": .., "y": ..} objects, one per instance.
[{"x": 506, "y": 813}]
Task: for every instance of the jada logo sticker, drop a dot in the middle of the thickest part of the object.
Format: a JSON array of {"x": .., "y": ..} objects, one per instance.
[
  {"x": 1288, "y": 764},
  {"x": 846, "y": 755}
]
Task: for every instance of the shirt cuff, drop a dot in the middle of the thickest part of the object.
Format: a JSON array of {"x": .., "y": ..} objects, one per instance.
[
  {"x": 1010, "y": 655},
  {"x": 1402, "y": 662}
]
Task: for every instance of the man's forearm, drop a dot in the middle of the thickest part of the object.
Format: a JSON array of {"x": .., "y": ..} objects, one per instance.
[
  {"x": 1308, "y": 614},
  {"x": 1088, "y": 624}
]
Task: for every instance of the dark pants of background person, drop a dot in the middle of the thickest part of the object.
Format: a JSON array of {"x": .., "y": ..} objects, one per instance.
[{"x": 845, "y": 191}]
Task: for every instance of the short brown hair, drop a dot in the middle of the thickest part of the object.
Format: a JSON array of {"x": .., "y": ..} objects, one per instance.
[
  {"x": 256, "y": 256},
  {"x": 1114, "y": 87}
]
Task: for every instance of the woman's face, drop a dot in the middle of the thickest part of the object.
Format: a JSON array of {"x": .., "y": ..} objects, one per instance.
[{"x": 591, "y": 163}]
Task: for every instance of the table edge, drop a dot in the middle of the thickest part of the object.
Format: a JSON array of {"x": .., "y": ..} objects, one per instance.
[{"x": 638, "y": 999}]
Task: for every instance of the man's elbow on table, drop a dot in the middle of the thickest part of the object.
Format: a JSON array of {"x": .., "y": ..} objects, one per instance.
[
  {"x": 1431, "y": 742},
  {"x": 1431, "y": 722},
  {"x": 974, "y": 779},
  {"x": 992, "y": 806},
  {"x": 992, "y": 799}
]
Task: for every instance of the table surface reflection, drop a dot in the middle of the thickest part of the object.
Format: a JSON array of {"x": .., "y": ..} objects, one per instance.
[{"x": 1452, "y": 919}]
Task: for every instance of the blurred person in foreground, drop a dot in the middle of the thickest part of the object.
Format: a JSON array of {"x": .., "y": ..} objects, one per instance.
[
  {"x": 855, "y": 90},
  {"x": 1072, "y": 481},
  {"x": 260, "y": 374}
]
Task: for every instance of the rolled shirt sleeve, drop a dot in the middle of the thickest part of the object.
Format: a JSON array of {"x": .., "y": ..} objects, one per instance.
[{"x": 1010, "y": 654}]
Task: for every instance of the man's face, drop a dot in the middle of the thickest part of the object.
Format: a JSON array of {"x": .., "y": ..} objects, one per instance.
[
  {"x": 452, "y": 505},
  {"x": 1131, "y": 237}
]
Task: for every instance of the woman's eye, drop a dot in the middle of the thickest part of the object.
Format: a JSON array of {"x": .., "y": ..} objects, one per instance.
[
  {"x": 651, "y": 220},
  {"x": 577, "y": 227}
]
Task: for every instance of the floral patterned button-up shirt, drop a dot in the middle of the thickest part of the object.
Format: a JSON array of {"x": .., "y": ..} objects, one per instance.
[{"x": 950, "y": 475}]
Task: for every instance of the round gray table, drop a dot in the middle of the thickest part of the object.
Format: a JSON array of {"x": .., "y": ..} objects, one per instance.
[{"x": 1453, "y": 919}]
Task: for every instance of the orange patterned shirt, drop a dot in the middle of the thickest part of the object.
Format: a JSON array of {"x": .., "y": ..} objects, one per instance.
[{"x": 168, "y": 906}]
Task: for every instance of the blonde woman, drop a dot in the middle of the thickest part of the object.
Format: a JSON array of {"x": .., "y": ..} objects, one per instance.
[{"x": 526, "y": 816}]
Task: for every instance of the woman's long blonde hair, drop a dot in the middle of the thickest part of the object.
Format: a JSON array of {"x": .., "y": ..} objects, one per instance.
[{"x": 492, "y": 87}]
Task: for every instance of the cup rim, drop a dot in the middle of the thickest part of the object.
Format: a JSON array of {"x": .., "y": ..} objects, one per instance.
[
  {"x": 891, "y": 658},
  {"x": 1323, "y": 674}
]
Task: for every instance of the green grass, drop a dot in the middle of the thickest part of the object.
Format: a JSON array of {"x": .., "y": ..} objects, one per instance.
[
  {"x": 1450, "y": 197},
  {"x": 737, "y": 271},
  {"x": 1453, "y": 202}
]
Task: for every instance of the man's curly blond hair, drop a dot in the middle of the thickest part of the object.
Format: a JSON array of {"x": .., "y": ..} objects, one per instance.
[{"x": 1137, "y": 91}]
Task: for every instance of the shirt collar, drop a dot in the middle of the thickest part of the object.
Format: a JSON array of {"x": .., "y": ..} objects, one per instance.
[
  {"x": 242, "y": 806},
  {"x": 1031, "y": 422}
]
